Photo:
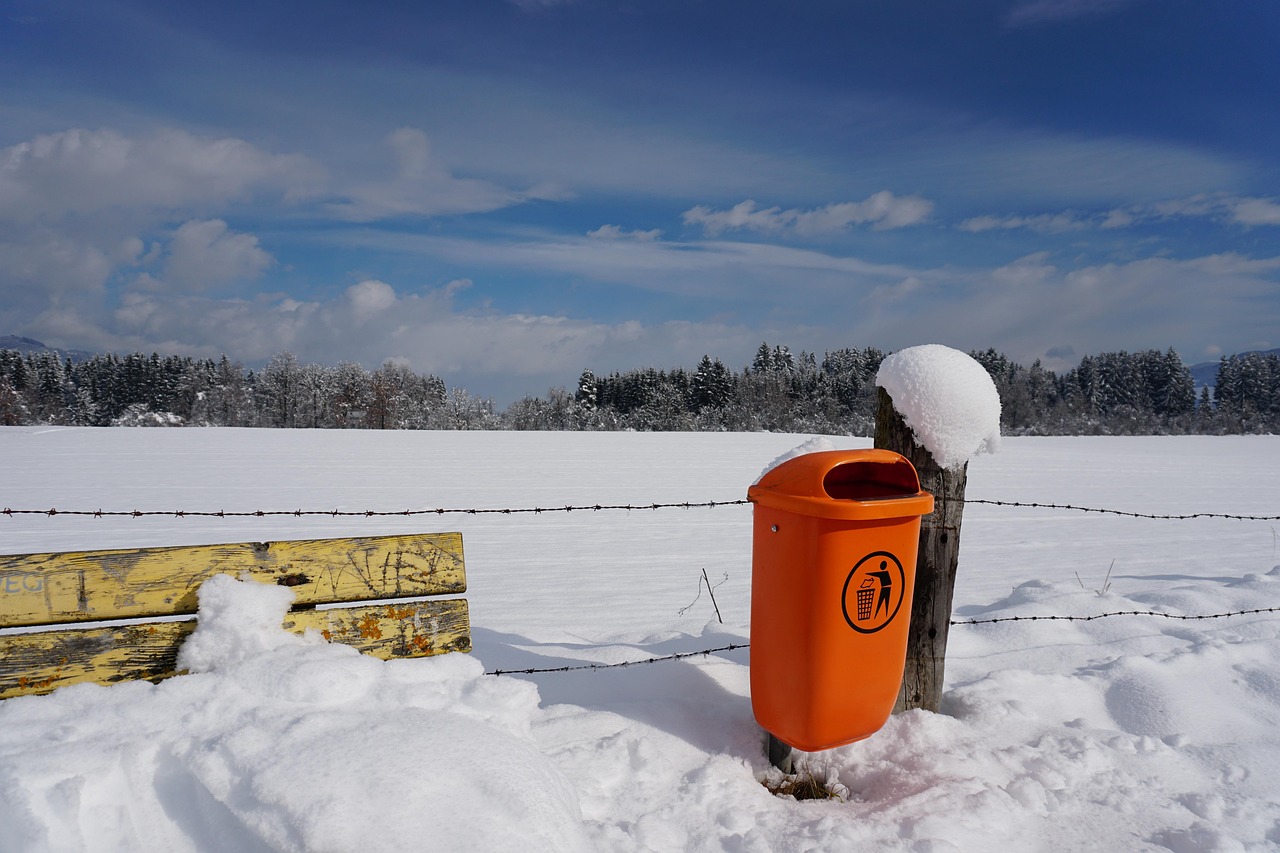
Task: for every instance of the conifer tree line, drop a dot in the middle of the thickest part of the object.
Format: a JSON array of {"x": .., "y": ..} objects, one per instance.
[{"x": 1117, "y": 393}]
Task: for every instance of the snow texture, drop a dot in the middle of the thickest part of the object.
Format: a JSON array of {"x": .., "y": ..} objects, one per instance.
[
  {"x": 237, "y": 621},
  {"x": 947, "y": 399},
  {"x": 1130, "y": 733},
  {"x": 817, "y": 444}
]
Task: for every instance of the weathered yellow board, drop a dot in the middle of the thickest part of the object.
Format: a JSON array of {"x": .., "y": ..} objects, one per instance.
[
  {"x": 40, "y": 662},
  {"x": 52, "y": 591},
  {"x": 38, "y": 589}
]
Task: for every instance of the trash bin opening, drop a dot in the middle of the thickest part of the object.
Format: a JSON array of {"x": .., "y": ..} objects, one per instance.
[{"x": 861, "y": 481}]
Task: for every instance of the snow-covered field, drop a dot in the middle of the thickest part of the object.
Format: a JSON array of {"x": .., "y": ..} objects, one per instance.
[{"x": 1128, "y": 733}]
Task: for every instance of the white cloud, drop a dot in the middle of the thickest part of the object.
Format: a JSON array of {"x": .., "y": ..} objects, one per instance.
[
  {"x": 1255, "y": 211},
  {"x": 486, "y": 351},
  {"x": 1236, "y": 210},
  {"x": 883, "y": 210},
  {"x": 1118, "y": 218},
  {"x": 896, "y": 292},
  {"x": 76, "y": 205},
  {"x": 1235, "y": 264},
  {"x": 1056, "y": 223},
  {"x": 371, "y": 298},
  {"x": 810, "y": 299},
  {"x": 423, "y": 186},
  {"x": 203, "y": 253},
  {"x": 725, "y": 269},
  {"x": 1025, "y": 272},
  {"x": 104, "y": 172},
  {"x": 615, "y": 232},
  {"x": 1141, "y": 304}
]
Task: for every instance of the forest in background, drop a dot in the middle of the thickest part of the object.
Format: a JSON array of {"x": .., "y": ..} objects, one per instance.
[{"x": 1120, "y": 393}]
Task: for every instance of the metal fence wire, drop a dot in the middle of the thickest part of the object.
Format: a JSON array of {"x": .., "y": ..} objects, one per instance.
[
  {"x": 954, "y": 622},
  {"x": 538, "y": 510}
]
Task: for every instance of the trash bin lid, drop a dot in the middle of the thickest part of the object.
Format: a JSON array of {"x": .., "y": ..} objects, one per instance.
[{"x": 844, "y": 484}]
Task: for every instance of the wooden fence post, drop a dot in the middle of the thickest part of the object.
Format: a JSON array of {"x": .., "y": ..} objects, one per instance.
[{"x": 935, "y": 562}]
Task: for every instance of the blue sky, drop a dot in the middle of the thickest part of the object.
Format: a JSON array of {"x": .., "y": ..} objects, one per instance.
[{"x": 505, "y": 192}]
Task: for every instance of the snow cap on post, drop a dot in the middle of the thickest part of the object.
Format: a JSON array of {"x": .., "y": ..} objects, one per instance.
[{"x": 948, "y": 400}]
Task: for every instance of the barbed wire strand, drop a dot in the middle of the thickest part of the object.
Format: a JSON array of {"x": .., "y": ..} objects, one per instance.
[
  {"x": 642, "y": 661},
  {"x": 1073, "y": 508},
  {"x": 368, "y": 513},
  {"x": 1051, "y": 618},
  {"x": 539, "y": 510},
  {"x": 954, "y": 622}
]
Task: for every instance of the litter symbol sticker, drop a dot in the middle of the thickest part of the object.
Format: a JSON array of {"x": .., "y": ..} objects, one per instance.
[{"x": 873, "y": 592}]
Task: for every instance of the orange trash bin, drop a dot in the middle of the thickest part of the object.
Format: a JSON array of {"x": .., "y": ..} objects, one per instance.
[{"x": 833, "y": 570}]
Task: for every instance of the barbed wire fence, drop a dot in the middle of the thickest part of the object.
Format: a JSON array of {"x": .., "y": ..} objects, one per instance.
[
  {"x": 368, "y": 513},
  {"x": 710, "y": 504},
  {"x": 954, "y": 622},
  {"x": 1126, "y": 513},
  {"x": 540, "y": 510}
]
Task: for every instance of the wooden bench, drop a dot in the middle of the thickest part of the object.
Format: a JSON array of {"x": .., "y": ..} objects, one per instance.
[{"x": 55, "y": 593}]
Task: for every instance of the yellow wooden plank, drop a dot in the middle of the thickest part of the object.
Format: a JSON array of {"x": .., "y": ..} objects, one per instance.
[
  {"x": 41, "y": 662},
  {"x": 38, "y": 589},
  {"x": 401, "y": 629},
  {"x": 44, "y": 661}
]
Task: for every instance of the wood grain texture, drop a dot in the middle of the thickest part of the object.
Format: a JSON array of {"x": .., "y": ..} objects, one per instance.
[
  {"x": 39, "y": 589},
  {"x": 55, "y": 592},
  {"x": 936, "y": 561},
  {"x": 40, "y": 662}
]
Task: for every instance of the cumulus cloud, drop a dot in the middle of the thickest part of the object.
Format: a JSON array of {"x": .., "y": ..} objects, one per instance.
[
  {"x": 1026, "y": 307},
  {"x": 421, "y": 185},
  {"x": 1139, "y": 304},
  {"x": 882, "y": 210},
  {"x": 204, "y": 253},
  {"x": 485, "y": 350},
  {"x": 370, "y": 298},
  {"x": 94, "y": 171},
  {"x": 75, "y": 207}
]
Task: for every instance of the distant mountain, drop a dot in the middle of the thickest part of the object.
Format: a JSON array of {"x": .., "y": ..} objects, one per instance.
[
  {"x": 30, "y": 345},
  {"x": 1206, "y": 372}
]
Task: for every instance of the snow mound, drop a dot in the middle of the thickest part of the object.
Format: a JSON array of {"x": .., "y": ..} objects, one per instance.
[
  {"x": 237, "y": 620},
  {"x": 946, "y": 398},
  {"x": 816, "y": 444},
  {"x": 287, "y": 745}
]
